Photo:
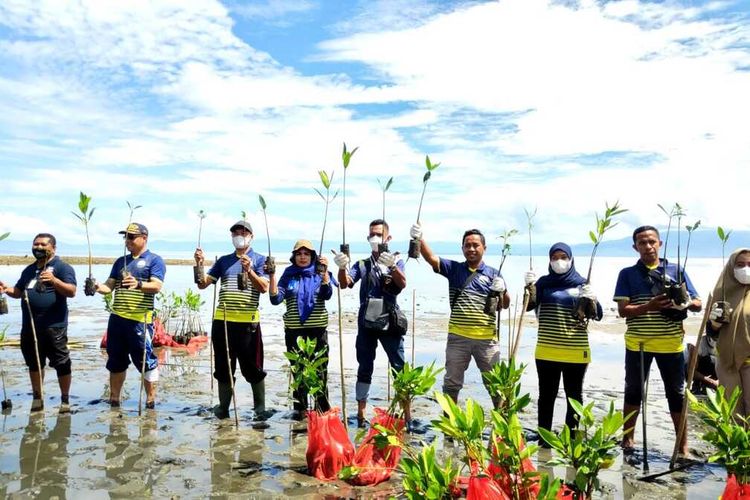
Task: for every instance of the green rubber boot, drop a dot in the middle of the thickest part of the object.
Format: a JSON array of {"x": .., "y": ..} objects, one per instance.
[
  {"x": 259, "y": 398},
  {"x": 225, "y": 399}
]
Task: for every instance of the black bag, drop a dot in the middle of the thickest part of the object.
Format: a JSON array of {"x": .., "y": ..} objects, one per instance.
[{"x": 397, "y": 322}]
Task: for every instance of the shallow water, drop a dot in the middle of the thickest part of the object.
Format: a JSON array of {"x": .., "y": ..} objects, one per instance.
[{"x": 181, "y": 450}]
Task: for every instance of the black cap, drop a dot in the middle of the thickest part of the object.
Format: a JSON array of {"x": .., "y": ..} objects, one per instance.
[{"x": 135, "y": 228}]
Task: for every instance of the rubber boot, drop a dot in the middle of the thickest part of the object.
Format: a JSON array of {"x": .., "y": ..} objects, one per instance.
[
  {"x": 225, "y": 399},
  {"x": 259, "y": 398}
]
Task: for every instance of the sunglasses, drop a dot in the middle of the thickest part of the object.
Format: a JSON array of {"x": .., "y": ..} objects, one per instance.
[{"x": 131, "y": 237}]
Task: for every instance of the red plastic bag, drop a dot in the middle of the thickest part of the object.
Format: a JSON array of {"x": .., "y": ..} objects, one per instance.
[
  {"x": 483, "y": 487},
  {"x": 567, "y": 493},
  {"x": 377, "y": 465},
  {"x": 507, "y": 479},
  {"x": 328, "y": 445},
  {"x": 734, "y": 490}
]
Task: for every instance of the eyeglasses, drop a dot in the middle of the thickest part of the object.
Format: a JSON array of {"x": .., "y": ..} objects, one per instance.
[{"x": 131, "y": 237}]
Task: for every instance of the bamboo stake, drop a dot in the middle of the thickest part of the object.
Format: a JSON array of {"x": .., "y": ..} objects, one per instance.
[
  {"x": 681, "y": 429},
  {"x": 36, "y": 347},
  {"x": 519, "y": 326},
  {"x": 211, "y": 342},
  {"x": 341, "y": 360},
  {"x": 143, "y": 366},
  {"x": 413, "y": 322},
  {"x": 229, "y": 368}
]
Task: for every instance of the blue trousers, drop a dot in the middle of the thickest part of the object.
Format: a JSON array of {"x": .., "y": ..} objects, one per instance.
[{"x": 367, "y": 344}]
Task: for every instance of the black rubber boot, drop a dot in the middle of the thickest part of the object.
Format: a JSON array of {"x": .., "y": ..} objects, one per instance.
[{"x": 225, "y": 399}]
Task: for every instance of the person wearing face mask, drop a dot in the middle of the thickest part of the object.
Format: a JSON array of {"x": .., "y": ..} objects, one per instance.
[
  {"x": 49, "y": 282},
  {"x": 383, "y": 278},
  {"x": 729, "y": 319},
  {"x": 135, "y": 280},
  {"x": 653, "y": 325},
  {"x": 305, "y": 292},
  {"x": 242, "y": 317},
  {"x": 471, "y": 330},
  {"x": 562, "y": 347}
]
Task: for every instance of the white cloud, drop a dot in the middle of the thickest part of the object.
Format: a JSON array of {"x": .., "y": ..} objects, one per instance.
[{"x": 272, "y": 9}]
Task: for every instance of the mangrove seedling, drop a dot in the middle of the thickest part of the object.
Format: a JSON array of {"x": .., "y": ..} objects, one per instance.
[
  {"x": 384, "y": 188},
  {"x": 411, "y": 382},
  {"x": 242, "y": 283},
  {"x": 464, "y": 426},
  {"x": 726, "y": 310},
  {"x": 85, "y": 217},
  {"x": 425, "y": 478},
  {"x": 676, "y": 290},
  {"x": 690, "y": 230},
  {"x": 132, "y": 209},
  {"x": 530, "y": 225},
  {"x": 326, "y": 180},
  {"x": 270, "y": 265},
  {"x": 493, "y": 298},
  {"x": 415, "y": 245},
  {"x": 308, "y": 365},
  {"x": 3, "y": 300},
  {"x": 503, "y": 382},
  {"x": 346, "y": 157},
  {"x": 199, "y": 273},
  {"x": 586, "y": 307},
  {"x": 727, "y": 431},
  {"x": 588, "y": 449},
  {"x": 510, "y": 457}
]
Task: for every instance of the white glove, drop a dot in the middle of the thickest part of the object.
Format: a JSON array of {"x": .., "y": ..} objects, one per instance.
[
  {"x": 529, "y": 277},
  {"x": 716, "y": 312},
  {"x": 416, "y": 231},
  {"x": 587, "y": 292},
  {"x": 498, "y": 285},
  {"x": 387, "y": 259},
  {"x": 341, "y": 260},
  {"x": 681, "y": 307}
]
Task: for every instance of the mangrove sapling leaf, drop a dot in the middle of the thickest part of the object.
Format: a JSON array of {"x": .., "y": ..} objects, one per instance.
[
  {"x": 265, "y": 219},
  {"x": 503, "y": 382},
  {"x": 465, "y": 426},
  {"x": 530, "y": 225},
  {"x": 588, "y": 450},
  {"x": 690, "y": 230},
  {"x": 384, "y": 188},
  {"x": 85, "y": 217},
  {"x": 307, "y": 365},
  {"x": 505, "y": 251},
  {"x": 3, "y": 236},
  {"x": 132, "y": 209},
  {"x": 327, "y": 199},
  {"x": 415, "y": 244},
  {"x": 346, "y": 157},
  {"x": 410, "y": 383},
  {"x": 424, "y": 478},
  {"x": 603, "y": 224},
  {"x": 508, "y": 451}
]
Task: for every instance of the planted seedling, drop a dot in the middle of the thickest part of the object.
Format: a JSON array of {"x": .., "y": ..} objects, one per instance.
[
  {"x": 586, "y": 307},
  {"x": 199, "y": 272},
  {"x": 125, "y": 272},
  {"x": 242, "y": 280},
  {"x": 3, "y": 300},
  {"x": 424, "y": 477},
  {"x": 89, "y": 287},
  {"x": 325, "y": 179},
  {"x": 726, "y": 309},
  {"x": 588, "y": 449},
  {"x": 308, "y": 365},
  {"x": 346, "y": 157},
  {"x": 384, "y": 188},
  {"x": 727, "y": 431},
  {"x": 414, "y": 244},
  {"x": 493, "y": 298},
  {"x": 504, "y": 384},
  {"x": 270, "y": 260},
  {"x": 410, "y": 383},
  {"x": 7, "y": 404}
]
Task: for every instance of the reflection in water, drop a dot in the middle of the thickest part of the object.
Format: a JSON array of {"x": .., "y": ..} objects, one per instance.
[
  {"x": 130, "y": 465},
  {"x": 43, "y": 460},
  {"x": 236, "y": 460}
]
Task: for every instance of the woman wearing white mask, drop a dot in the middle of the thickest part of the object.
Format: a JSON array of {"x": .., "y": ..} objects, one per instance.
[
  {"x": 730, "y": 320},
  {"x": 563, "y": 344}
]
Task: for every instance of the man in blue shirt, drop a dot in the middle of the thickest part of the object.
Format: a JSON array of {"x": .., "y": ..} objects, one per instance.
[
  {"x": 46, "y": 284},
  {"x": 135, "y": 280},
  {"x": 383, "y": 278},
  {"x": 242, "y": 319}
]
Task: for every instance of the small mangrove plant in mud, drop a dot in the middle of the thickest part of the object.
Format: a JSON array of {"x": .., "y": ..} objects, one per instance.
[
  {"x": 586, "y": 307},
  {"x": 346, "y": 158},
  {"x": 3, "y": 300},
  {"x": 588, "y": 449},
  {"x": 384, "y": 187},
  {"x": 308, "y": 367},
  {"x": 326, "y": 180},
  {"x": 414, "y": 244},
  {"x": 85, "y": 215},
  {"x": 729, "y": 433},
  {"x": 199, "y": 272},
  {"x": 726, "y": 309},
  {"x": 504, "y": 383}
]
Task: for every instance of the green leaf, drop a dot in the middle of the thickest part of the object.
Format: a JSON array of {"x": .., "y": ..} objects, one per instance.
[
  {"x": 388, "y": 185},
  {"x": 593, "y": 237},
  {"x": 3, "y": 236},
  {"x": 262, "y": 202},
  {"x": 426, "y": 177},
  {"x": 324, "y": 179}
]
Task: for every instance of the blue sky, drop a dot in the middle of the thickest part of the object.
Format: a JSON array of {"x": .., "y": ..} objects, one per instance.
[{"x": 184, "y": 105}]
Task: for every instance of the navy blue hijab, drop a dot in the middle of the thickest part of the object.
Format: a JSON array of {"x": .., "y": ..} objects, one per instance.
[{"x": 568, "y": 279}]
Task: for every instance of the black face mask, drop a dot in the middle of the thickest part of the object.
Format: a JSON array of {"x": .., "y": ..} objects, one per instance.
[{"x": 39, "y": 253}]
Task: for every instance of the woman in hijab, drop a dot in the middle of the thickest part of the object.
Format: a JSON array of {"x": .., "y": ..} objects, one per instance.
[
  {"x": 729, "y": 319},
  {"x": 562, "y": 347},
  {"x": 304, "y": 292}
]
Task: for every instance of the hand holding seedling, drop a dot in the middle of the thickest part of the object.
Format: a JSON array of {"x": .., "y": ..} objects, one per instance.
[
  {"x": 659, "y": 302},
  {"x": 529, "y": 278},
  {"x": 323, "y": 261},
  {"x": 387, "y": 259},
  {"x": 269, "y": 267},
  {"x": 47, "y": 276},
  {"x": 198, "y": 256},
  {"x": 246, "y": 262},
  {"x": 129, "y": 282},
  {"x": 341, "y": 259},
  {"x": 416, "y": 231}
]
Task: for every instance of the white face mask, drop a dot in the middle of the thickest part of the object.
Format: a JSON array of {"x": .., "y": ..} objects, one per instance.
[
  {"x": 241, "y": 242},
  {"x": 374, "y": 242},
  {"x": 560, "y": 266},
  {"x": 742, "y": 274}
]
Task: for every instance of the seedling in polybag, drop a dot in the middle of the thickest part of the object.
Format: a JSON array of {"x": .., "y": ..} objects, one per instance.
[
  {"x": 85, "y": 217},
  {"x": 414, "y": 244}
]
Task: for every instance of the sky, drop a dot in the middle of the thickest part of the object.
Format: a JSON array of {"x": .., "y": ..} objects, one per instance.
[{"x": 553, "y": 106}]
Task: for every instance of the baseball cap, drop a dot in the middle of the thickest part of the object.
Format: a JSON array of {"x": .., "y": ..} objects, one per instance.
[
  {"x": 135, "y": 228},
  {"x": 242, "y": 223}
]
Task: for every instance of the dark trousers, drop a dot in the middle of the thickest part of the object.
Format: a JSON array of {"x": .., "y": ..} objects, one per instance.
[
  {"x": 321, "y": 345},
  {"x": 367, "y": 345},
  {"x": 672, "y": 370},
  {"x": 245, "y": 347},
  {"x": 549, "y": 373}
]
